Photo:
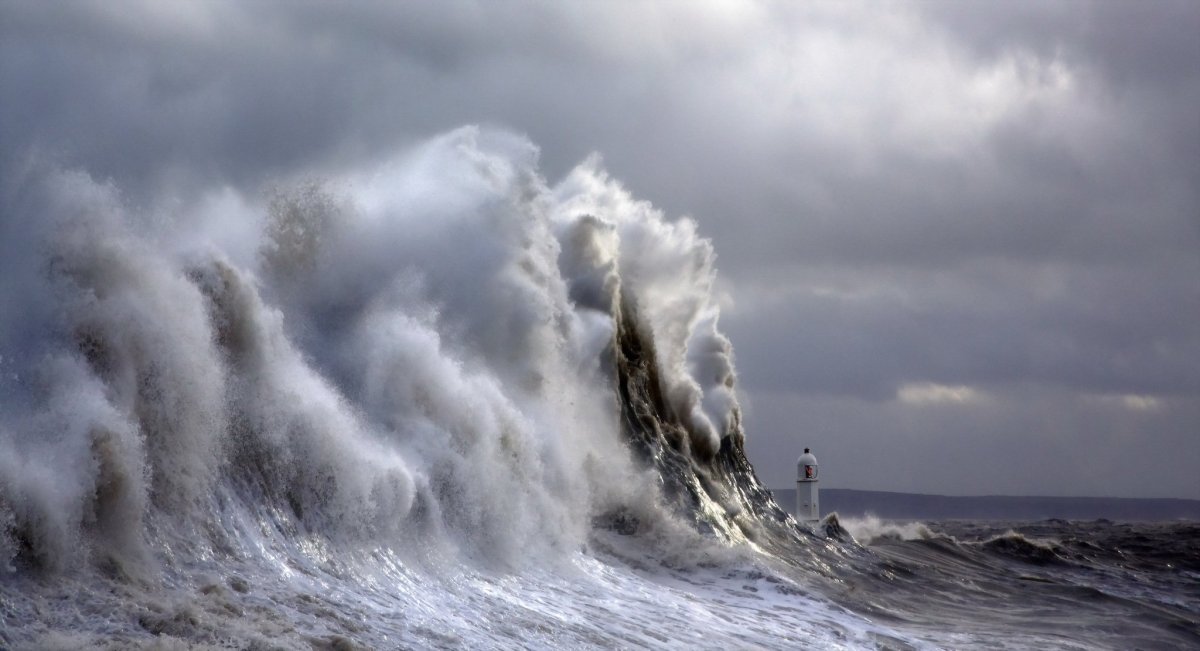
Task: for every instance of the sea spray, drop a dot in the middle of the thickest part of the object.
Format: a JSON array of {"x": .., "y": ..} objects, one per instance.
[
  {"x": 433, "y": 343},
  {"x": 871, "y": 529},
  {"x": 436, "y": 403}
]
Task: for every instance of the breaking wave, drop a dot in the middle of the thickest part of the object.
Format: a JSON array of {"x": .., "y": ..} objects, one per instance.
[
  {"x": 438, "y": 402},
  {"x": 426, "y": 346},
  {"x": 443, "y": 357},
  {"x": 871, "y": 529}
]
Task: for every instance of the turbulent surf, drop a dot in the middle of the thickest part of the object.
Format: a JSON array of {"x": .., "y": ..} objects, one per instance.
[{"x": 437, "y": 403}]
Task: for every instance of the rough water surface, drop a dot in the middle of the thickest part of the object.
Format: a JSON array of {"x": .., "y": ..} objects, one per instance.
[{"x": 442, "y": 403}]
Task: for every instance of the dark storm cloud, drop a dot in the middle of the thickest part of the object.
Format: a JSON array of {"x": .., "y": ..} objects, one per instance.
[
  {"x": 234, "y": 91},
  {"x": 985, "y": 328},
  {"x": 990, "y": 198},
  {"x": 144, "y": 93}
]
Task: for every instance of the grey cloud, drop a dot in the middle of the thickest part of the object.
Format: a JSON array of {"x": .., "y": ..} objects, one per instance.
[
  {"x": 1130, "y": 44},
  {"x": 1090, "y": 334}
]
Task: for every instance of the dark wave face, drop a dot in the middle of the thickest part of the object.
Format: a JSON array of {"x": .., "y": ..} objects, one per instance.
[
  {"x": 436, "y": 403},
  {"x": 1096, "y": 584}
]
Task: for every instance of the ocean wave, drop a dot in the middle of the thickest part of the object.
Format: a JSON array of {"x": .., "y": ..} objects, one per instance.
[
  {"x": 872, "y": 530},
  {"x": 438, "y": 402}
]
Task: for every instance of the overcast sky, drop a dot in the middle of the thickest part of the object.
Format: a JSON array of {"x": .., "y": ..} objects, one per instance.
[{"x": 959, "y": 243}]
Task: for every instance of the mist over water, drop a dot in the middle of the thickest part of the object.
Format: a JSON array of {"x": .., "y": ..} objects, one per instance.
[{"x": 435, "y": 402}]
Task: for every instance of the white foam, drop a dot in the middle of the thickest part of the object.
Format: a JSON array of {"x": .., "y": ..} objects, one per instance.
[{"x": 871, "y": 529}]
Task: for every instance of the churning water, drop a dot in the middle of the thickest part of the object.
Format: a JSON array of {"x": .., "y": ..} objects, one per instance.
[{"x": 441, "y": 403}]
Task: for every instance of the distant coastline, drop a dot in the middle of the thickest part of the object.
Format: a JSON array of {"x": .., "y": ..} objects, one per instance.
[{"x": 915, "y": 506}]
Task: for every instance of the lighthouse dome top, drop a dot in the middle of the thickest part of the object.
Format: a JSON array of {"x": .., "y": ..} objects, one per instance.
[{"x": 806, "y": 459}]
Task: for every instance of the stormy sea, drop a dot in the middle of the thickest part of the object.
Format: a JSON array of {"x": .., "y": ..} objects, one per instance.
[{"x": 444, "y": 402}]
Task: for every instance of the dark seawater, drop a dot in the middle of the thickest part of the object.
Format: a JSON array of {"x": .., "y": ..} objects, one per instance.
[
  {"x": 1032, "y": 584},
  {"x": 924, "y": 507}
]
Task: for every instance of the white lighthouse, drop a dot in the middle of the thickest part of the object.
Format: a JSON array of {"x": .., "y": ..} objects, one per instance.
[{"x": 807, "y": 506}]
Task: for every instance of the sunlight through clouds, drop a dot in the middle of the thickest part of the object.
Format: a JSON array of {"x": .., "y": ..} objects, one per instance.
[{"x": 928, "y": 393}]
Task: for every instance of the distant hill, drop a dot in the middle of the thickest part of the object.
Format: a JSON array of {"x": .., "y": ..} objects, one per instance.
[{"x": 912, "y": 506}]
